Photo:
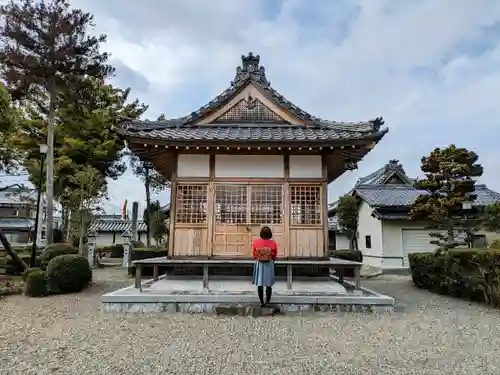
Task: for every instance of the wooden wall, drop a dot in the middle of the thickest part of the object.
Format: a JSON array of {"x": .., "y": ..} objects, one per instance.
[{"x": 201, "y": 227}]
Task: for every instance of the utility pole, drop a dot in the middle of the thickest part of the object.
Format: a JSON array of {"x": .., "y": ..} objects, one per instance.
[
  {"x": 148, "y": 206},
  {"x": 50, "y": 170}
]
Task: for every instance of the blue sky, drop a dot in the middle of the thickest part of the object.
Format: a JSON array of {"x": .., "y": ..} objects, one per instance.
[{"x": 431, "y": 68}]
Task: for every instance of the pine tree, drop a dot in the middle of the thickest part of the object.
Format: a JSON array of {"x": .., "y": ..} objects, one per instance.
[
  {"x": 449, "y": 181},
  {"x": 46, "y": 52}
]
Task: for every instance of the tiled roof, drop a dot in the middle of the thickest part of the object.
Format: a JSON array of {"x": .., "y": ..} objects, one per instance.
[
  {"x": 384, "y": 174},
  {"x": 316, "y": 130},
  {"x": 404, "y": 196},
  {"x": 107, "y": 225},
  {"x": 17, "y": 196},
  {"x": 388, "y": 195},
  {"x": 249, "y": 132},
  {"x": 16, "y": 223},
  {"x": 381, "y": 176}
]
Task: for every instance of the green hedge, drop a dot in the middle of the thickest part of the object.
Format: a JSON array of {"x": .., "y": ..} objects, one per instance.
[
  {"x": 28, "y": 272},
  {"x": 146, "y": 253},
  {"x": 68, "y": 274},
  {"x": 36, "y": 283},
  {"x": 472, "y": 274},
  {"x": 114, "y": 251},
  {"x": 55, "y": 250},
  {"x": 495, "y": 244},
  {"x": 352, "y": 255}
]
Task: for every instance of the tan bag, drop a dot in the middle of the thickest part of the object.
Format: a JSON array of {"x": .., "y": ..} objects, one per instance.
[{"x": 264, "y": 254}]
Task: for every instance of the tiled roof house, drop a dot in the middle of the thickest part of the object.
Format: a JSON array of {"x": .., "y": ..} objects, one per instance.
[{"x": 386, "y": 233}]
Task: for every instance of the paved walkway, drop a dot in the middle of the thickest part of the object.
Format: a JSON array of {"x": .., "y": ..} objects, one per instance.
[{"x": 69, "y": 335}]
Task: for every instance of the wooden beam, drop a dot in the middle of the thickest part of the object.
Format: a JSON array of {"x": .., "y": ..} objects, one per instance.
[
  {"x": 173, "y": 205},
  {"x": 211, "y": 206},
  {"x": 324, "y": 206},
  {"x": 286, "y": 203}
]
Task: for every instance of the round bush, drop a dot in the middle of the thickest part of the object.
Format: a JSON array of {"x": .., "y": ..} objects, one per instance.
[
  {"x": 55, "y": 250},
  {"x": 36, "y": 283},
  {"x": 68, "y": 274},
  {"x": 28, "y": 272}
]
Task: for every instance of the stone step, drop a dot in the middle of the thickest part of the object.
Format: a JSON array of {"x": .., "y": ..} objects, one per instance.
[{"x": 247, "y": 310}]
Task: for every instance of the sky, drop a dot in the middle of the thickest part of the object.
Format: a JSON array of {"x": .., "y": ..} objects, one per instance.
[{"x": 431, "y": 68}]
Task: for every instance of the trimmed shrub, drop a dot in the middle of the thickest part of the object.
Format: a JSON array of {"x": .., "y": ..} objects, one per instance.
[
  {"x": 146, "y": 253},
  {"x": 115, "y": 251},
  {"x": 55, "y": 250},
  {"x": 35, "y": 284},
  {"x": 138, "y": 244},
  {"x": 495, "y": 244},
  {"x": 68, "y": 274},
  {"x": 472, "y": 274},
  {"x": 352, "y": 255},
  {"x": 27, "y": 273}
]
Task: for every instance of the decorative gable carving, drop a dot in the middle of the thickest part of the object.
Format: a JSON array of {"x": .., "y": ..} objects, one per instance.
[
  {"x": 249, "y": 110},
  {"x": 395, "y": 180}
]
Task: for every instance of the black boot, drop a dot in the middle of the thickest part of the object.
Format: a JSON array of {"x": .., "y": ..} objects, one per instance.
[
  {"x": 260, "y": 293},
  {"x": 269, "y": 293}
]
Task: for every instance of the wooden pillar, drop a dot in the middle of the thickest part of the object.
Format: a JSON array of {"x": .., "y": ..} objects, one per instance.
[
  {"x": 211, "y": 207},
  {"x": 286, "y": 205},
  {"x": 173, "y": 204},
  {"x": 324, "y": 205}
]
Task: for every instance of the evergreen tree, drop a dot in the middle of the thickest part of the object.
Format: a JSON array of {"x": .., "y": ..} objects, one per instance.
[
  {"x": 47, "y": 53},
  {"x": 450, "y": 181},
  {"x": 347, "y": 214}
]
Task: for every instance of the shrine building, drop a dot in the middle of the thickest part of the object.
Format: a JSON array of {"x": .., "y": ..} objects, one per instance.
[{"x": 246, "y": 159}]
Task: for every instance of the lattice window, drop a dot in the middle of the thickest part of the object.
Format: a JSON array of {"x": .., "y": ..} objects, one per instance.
[
  {"x": 266, "y": 205},
  {"x": 305, "y": 205},
  {"x": 231, "y": 204},
  {"x": 251, "y": 110},
  {"x": 191, "y": 204}
]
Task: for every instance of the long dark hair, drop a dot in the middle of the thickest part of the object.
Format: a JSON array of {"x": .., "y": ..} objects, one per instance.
[{"x": 266, "y": 233}]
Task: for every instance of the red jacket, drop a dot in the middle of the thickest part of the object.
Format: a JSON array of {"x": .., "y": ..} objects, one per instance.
[{"x": 259, "y": 243}]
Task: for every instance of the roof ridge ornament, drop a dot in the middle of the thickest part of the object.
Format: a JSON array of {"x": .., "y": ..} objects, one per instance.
[{"x": 250, "y": 69}]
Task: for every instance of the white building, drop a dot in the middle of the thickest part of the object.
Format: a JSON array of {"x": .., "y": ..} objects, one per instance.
[{"x": 386, "y": 235}]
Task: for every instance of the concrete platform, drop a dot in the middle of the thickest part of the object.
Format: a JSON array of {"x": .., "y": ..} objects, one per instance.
[{"x": 185, "y": 294}]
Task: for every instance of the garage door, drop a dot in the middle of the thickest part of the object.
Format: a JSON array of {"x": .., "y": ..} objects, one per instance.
[{"x": 416, "y": 241}]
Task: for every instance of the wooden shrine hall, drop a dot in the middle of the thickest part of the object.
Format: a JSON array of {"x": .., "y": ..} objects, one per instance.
[{"x": 246, "y": 159}]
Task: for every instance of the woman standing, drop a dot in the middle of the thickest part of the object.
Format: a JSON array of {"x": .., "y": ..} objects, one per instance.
[{"x": 263, "y": 269}]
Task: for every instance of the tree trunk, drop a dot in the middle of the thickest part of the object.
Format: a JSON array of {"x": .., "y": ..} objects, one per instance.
[
  {"x": 65, "y": 223},
  {"x": 148, "y": 208},
  {"x": 50, "y": 169},
  {"x": 82, "y": 234},
  {"x": 16, "y": 259},
  {"x": 69, "y": 228}
]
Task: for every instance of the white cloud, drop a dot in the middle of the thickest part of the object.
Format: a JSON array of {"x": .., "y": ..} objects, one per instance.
[{"x": 431, "y": 68}]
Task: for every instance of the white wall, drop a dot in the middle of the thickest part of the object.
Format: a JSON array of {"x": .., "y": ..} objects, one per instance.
[
  {"x": 393, "y": 240},
  {"x": 193, "y": 165},
  {"x": 252, "y": 166},
  {"x": 306, "y": 166},
  {"x": 392, "y": 236},
  {"x": 341, "y": 241},
  {"x": 106, "y": 238},
  {"x": 369, "y": 226}
]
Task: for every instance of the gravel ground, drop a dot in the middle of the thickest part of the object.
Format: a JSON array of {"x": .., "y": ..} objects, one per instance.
[{"x": 69, "y": 335}]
